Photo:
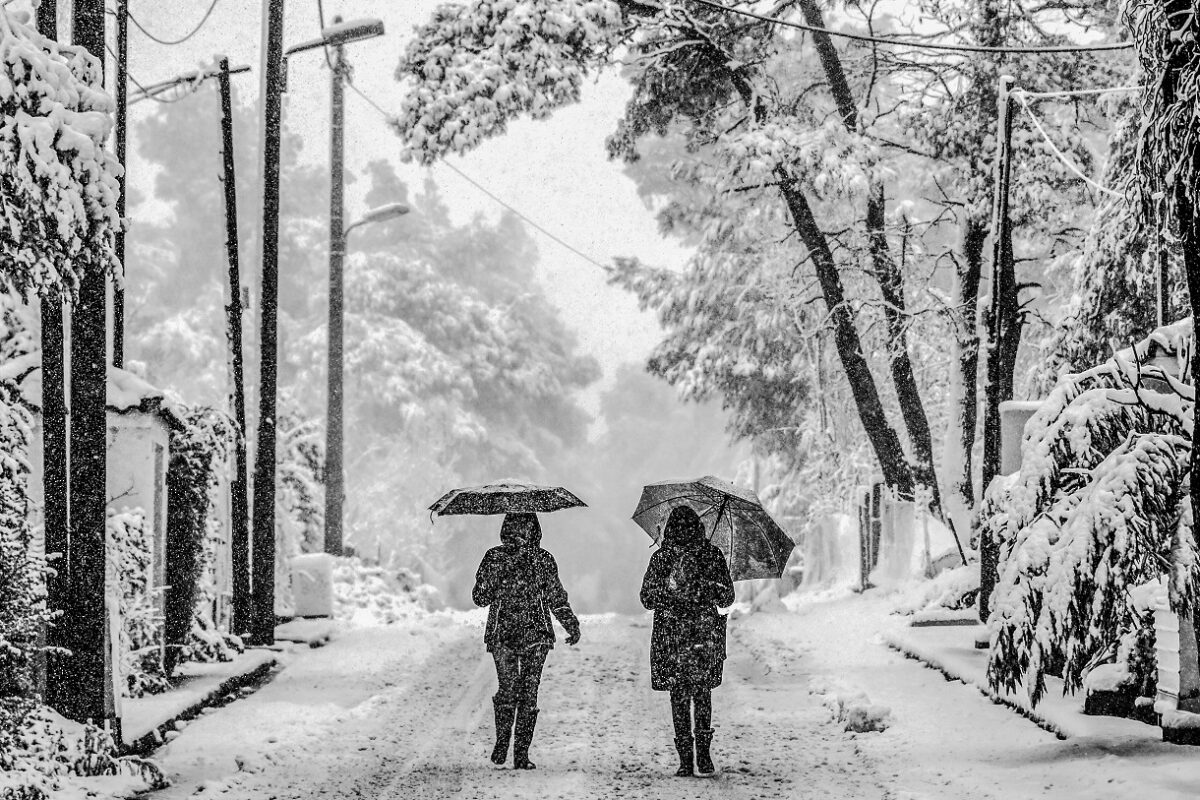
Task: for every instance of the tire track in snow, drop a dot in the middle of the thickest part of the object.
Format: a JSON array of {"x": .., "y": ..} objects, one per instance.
[{"x": 425, "y": 729}]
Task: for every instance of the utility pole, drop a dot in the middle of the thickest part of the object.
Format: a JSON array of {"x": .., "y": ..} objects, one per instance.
[
  {"x": 334, "y": 471},
  {"x": 85, "y": 620},
  {"x": 240, "y": 536},
  {"x": 989, "y": 554},
  {"x": 121, "y": 81},
  {"x": 263, "y": 629},
  {"x": 56, "y": 519}
]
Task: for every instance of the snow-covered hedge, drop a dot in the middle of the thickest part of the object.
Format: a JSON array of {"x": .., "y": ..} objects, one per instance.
[
  {"x": 200, "y": 447},
  {"x": 40, "y": 752},
  {"x": 141, "y": 643},
  {"x": 377, "y": 595},
  {"x": 1100, "y": 505},
  {"x": 22, "y": 573}
]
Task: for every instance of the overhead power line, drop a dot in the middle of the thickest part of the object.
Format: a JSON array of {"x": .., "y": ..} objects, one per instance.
[
  {"x": 949, "y": 48},
  {"x": 180, "y": 40},
  {"x": 1019, "y": 96},
  {"x": 521, "y": 216},
  {"x": 500, "y": 201}
]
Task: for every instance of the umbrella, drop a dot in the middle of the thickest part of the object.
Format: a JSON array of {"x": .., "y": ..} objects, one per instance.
[
  {"x": 753, "y": 543},
  {"x": 506, "y": 497}
]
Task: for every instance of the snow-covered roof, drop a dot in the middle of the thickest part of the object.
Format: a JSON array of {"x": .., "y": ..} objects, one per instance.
[{"x": 125, "y": 392}]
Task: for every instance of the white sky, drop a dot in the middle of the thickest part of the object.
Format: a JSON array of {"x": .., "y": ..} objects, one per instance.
[{"x": 555, "y": 172}]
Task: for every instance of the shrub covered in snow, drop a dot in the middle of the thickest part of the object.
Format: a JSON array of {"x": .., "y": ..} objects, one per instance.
[
  {"x": 198, "y": 448},
  {"x": 377, "y": 595},
  {"x": 953, "y": 589},
  {"x": 858, "y": 714},
  {"x": 130, "y": 560},
  {"x": 23, "y": 609},
  {"x": 39, "y": 750},
  {"x": 299, "y": 493},
  {"x": 1100, "y": 505}
]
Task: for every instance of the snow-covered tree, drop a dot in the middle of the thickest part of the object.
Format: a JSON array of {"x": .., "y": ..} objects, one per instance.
[
  {"x": 1100, "y": 505},
  {"x": 58, "y": 196},
  {"x": 1111, "y": 279},
  {"x": 1167, "y": 34},
  {"x": 763, "y": 118}
]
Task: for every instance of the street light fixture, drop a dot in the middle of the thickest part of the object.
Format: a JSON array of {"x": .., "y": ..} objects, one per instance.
[
  {"x": 335, "y": 36},
  {"x": 381, "y": 214},
  {"x": 335, "y": 493}
]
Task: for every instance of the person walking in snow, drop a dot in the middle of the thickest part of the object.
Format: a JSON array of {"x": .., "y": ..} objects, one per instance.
[
  {"x": 685, "y": 583},
  {"x": 519, "y": 583}
]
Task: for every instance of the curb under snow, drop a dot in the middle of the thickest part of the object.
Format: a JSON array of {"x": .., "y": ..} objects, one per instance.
[{"x": 951, "y": 651}]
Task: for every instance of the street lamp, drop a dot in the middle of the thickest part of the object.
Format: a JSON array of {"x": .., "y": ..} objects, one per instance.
[
  {"x": 337, "y": 36},
  {"x": 381, "y": 214},
  {"x": 334, "y": 425}
]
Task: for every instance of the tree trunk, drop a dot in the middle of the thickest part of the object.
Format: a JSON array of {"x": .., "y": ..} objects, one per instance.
[
  {"x": 885, "y": 270},
  {"x": 967, "y": 329},
  {"x": 895, "y": 467},
  {"x": 891, "y": 286}
]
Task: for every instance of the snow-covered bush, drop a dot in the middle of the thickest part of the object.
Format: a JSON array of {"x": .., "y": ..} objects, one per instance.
[
  {"x": 953, "y": 589},
  {"x": 23, "y": 610},
  {"x": 39, "y": 749},
  {"x": 857, "y": 714},
  {"x": 59, "y": 192},
  {"x": 1100, "y": 505},
  {"x": 299, "y": 493},
  {"x": 377, "y": 595},
  {"x": 198, "y": 448},
  {"x": 206, "y": 640},
  {"x": 130, "y": 560}
]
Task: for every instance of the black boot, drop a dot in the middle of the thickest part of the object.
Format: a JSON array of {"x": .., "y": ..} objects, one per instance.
[
  {"x": 522, "y": 736},
  {"x": 504, "y": 729},
  {"x": 704, "y": 763},
  {"x": 683, "y": 746}
]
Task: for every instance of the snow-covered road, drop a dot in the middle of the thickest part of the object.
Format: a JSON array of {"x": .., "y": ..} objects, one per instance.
[{"x": 404, "y": 711}]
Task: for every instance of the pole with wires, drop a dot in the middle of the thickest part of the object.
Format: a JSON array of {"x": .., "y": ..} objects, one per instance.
[
  {"x": 1000, "y": 290},
  {"x": 334, "y": 477},
  {"x": 263, "y": 569},
  {"x": 120, "y": 84},
  {"x": 239, "y": 501}
]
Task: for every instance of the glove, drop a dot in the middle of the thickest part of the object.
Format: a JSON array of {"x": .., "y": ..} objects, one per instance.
[{"x": 573, "y": 637}]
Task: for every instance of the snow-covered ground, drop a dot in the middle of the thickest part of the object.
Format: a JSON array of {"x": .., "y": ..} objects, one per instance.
[{"x": 404, "y": 711}]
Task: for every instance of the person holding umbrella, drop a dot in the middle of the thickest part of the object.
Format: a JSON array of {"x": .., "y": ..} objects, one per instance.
[
  {"x": 519, "y": 583},
  {"x": 685, "y": 584},
  {"x": 689, "y": 577}
]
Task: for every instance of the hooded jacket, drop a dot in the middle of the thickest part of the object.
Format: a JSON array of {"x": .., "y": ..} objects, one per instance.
[
  {"x": 519, "y": 583},
  {"x": 685, "y": 583}
]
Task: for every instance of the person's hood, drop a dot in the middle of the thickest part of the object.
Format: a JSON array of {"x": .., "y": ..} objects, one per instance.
[
  {"x": 521, "y": 530},
  {"x": 684, "y": 529}
]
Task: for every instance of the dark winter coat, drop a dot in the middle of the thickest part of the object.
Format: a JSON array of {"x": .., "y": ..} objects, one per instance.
[
  {"x": 519, "y": 583},
  {"x": 685, "y": 583}
]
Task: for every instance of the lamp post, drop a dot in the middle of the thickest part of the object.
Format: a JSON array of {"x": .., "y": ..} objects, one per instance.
[
  {"x": 334, "y": 426},
  {"x": 337, "y": 36}
]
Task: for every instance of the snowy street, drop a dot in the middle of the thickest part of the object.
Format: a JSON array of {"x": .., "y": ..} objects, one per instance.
[{"x": 404, "y": 711}]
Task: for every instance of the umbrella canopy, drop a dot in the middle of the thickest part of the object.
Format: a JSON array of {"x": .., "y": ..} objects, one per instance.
[
  {"x": 505, "y": 498},
  {"x": 753, "y": 543}
]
